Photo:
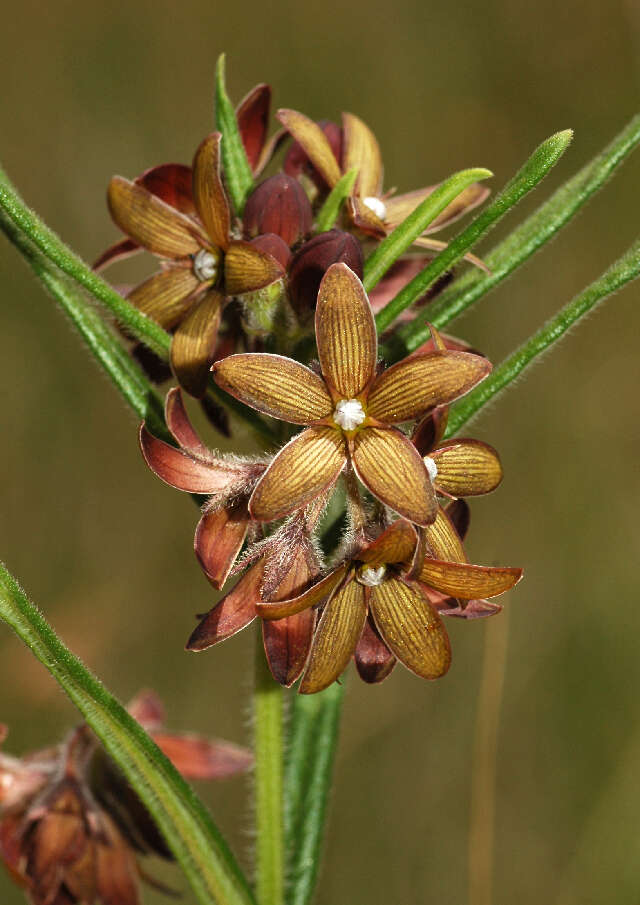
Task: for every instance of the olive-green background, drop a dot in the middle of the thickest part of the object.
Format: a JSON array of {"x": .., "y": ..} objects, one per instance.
[{"x": 91, "y": 89}]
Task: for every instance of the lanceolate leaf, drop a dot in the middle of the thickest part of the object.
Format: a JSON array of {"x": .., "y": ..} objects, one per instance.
[
  {"x": 188, "y": 829},
  {"x": 329, "y": 211},
  {"x": 236, "y": 166}
]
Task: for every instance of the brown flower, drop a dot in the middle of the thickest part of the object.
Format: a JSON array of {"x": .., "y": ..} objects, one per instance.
[
  {"x": 376, "y": 606},
  {"x": 203, "y": 264},
  {"x": 350, "y": 410}
]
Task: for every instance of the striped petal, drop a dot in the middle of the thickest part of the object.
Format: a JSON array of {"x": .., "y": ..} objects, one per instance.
[
  {"x": 314, "y": 143},
  {"x": 395, "y": 545},
  {"x": 303, "y": 468},
  {"x": 286, "y": 645},
  {"x": 179, "y": 424},
  {"x": 184, "y": 471},
  {"x": 153, "y": 224},
  {"x": 421, "y": 382},
  {"x": 314, "y": 595},
  {"x": 374, "y": 660},
  {"x": 230, "y": 615},
  {"x": 361, "y": 150},
  {"x": 335, "y": 638},
  {"x": 277, "y": 386},
  {"x": 391, "y": 468},
  {"x": 208, "y": 191},
  {"x": 442, "y": 539},
  {"x": 400, "y": 206},
  {"x": 467, "y": 467},
  {"x": 431, "y": 244},
  {"x": 411, "y": 628},
  {"x": 166, "y": 296},
  {"x": 247, "y": 268},
  {"x": 468, "y": 581},
  {"x": 194, "y": 343},
  {"x": 345, "y": 332},
  {"x": 218, "y": 540}
]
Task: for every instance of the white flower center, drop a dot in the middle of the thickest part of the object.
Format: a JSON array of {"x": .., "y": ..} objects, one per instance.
[
  {"x": 376, "y": 205},
  {"x": 432, "y": 468},
  {"x": 205, "y": 265},
  {"x": 372, "y": 577},
  {"x": 349, "y": 414}
]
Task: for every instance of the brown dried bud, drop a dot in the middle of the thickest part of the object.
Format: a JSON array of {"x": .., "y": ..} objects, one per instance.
[
  {"x": 313, "y": 260},
  {"x": 278, "y": 205}
]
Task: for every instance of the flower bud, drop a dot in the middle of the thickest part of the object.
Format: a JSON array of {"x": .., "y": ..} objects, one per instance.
[
  {"x": 278, "y": 205},
  {"x": 273, "y": 245},
  {"x": 312, "y": 261}
]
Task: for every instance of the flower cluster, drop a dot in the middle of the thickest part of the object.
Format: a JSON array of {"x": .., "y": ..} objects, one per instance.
[
  {"x": 70, "y": 825},
  {"x": 272, "y": 307}
]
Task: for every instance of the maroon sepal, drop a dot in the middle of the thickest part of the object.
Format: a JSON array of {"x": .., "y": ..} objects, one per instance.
[
  {"x": 287, "y": 643},
  {"x": 374, "y": 660},
  {"x": 231, "y": 614}
]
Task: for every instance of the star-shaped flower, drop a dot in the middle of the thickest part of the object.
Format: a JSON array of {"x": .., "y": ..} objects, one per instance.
[{"x": 350, "y": 411}]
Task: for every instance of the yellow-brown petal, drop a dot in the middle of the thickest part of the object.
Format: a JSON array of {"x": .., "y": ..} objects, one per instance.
[
  {"x": 442, "y": 539},
  {"x": 468, "y": 581},
  {"x": 400, "y": 206},
  {"x": 345, "y": 332},
  {"x": 361, "y": 150},
  {"x": 208, "y": 192},
  {"x": 467, "y": 467},
  {"x": 218, "y": 540},
  {"x": 335, "y": 637},
  {"x": 314, "y": 143},
  {"x": 315, "y": 594},
  {"x": 194, "y": 343},
  {"x": 391, "y": 468},
  {"x": 166, "y": 296},
  {"x": 421, "y": 382},
  {"x": 395, "y": 545},
  {"x": 411, "y": 628},
  {"x": 437, "y": 245},
  {"x": 303, "y": 468},
  {"x": 246, "y": 269},
  {"x": 157, "y": 226},
  {"x": 275, "y": 385}
]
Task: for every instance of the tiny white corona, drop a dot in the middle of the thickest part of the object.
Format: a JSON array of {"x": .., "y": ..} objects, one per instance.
[
  {"x": 376, "y": 205},
  {"x": 205, "y": 265},
  {"x": 372, "y": 577},
  {"x": 349, "y": 414},
  {"x": 432, "y": 468}
]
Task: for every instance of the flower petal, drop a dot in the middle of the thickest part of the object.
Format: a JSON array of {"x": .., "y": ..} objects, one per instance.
[
  {"x": 218, "y": 540},
  {"x": 303, "y": 468},
  {"x": 149, "y": 221},
  {"x": 389, "y": 466},
  {"x": 421, "y": 382},
  {"x": 231, "y": 614},
  {"x": 318, "y": 592},
  {"x": 335, "y": 637},
  {"x": 247, "y": 268},
  {"x": 184, "y": 471},
  {"x": 467, "y": 467},
  {"x": 411, "y": 628},
  {"x": 345, "y": 332},
  {"x": 286, "y": 645},
  {"x": 374, "y": 660},
  {"x": 437, "y": 245},
  {"x": 165, "y": 296},
  {"x": 201, "y": 758},
  {"x": 361, "y": 150},
  {"x": 395, "y": 545},
  {"x": 314, "y": 143},
  {"x": 468, "y": 581},
  {"x": 179, "y": 424},
  {"x": 442, "y": 539},
  {"x": 253, "y": 121},
  {"x": 275, "y": 385},
  {"x": 194, "y": 343},
  {"x": 400, "y": 206},
  {"x": 208, "y": 191}
]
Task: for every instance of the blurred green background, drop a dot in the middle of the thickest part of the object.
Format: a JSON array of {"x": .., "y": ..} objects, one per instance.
[{"x": 92, "y": 89}]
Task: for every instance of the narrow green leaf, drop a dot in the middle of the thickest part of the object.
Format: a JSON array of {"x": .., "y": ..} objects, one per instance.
[
  {"x": 624, "y": 270},
  {"x": 528, "y": 177},
  {"x": 315, "y": 723},
  {"x": 237, "y": 171},
  {"x": 140, "y": 326},
  {"x": 537, "y": 229},
  {"x": 187, "y": 827},
  {"x": 329, "y": 211},
  {"x": 404, "y": 235}
]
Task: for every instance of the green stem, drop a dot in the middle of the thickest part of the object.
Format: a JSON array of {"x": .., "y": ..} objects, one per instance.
[
  {"x": 328, "y": 213},
  {"x": 190, "y": 833},
  {"x": 237, "y": 171},
  {"x": 527, "y": 178},
  {"x": 624, "y": 270},
  {"x": 268, "y": 751},
  {"x": 404, "y": 235},
  {"x": 531, "y": 235}
]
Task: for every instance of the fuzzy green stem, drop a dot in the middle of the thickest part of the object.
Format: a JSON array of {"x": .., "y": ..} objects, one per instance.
[
  {"x": 404, "y": 235},
  {"x": 268, "y": 752},
  {"x": 329, "y": 211},
  {"x": 237, "y": 171},
  {"x": 530, "y": 236},
  {"x": 198, "y": 846},
  {"x": 624, "y": 270}
]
